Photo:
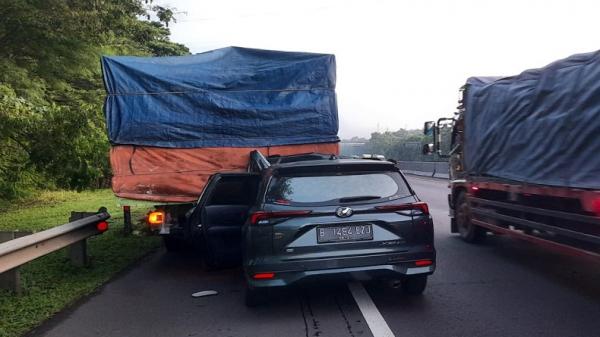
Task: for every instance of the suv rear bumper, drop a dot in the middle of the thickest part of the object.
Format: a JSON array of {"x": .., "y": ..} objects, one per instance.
[{"x": 361, "y": 268}]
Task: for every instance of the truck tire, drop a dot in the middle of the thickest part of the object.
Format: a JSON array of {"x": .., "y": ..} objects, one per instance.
[
  {"x": 414, "y": 285},
  {"x": 173, "y": 244},
  {"x": 468, "y": 231}
]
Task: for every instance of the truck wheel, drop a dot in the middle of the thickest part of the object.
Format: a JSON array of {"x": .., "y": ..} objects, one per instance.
[
  {"x": 173, "y": 244},
  {"x": 414, "y": 285},
  {"x": 468, "y": 231},
  {"x": 255, "y": 297}
]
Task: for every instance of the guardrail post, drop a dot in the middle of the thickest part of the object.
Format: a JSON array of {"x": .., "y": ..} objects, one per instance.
[
  {"x": 11, "y": 280},
  {"x": 127, "y": 228},
  {"x": 78, "y": 253},
  {"x": 78, "y": 250}
]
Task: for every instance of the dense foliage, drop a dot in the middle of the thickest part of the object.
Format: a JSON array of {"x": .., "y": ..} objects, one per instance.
[
  {"x": 52, "y": 130},
  {"x": 405, "y": 145}
]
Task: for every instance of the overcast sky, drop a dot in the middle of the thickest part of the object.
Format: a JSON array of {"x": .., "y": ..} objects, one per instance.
[{"x": 399, "y": 63}]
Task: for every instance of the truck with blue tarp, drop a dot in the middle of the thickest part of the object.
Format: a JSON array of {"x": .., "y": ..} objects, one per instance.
[
  {"x": 174, "y": 122},
  {"x": 524, "y": 156}
]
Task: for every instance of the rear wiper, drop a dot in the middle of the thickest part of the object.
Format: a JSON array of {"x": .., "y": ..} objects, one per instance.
[{"x": 359, "y": 198}]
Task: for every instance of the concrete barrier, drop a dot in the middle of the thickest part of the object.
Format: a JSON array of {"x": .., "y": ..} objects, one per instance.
[
  {"x": 426, "y": 168},
  {"x": 442, "y": 170}
]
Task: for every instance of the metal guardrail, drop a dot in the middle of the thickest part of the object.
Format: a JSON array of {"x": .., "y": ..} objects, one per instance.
[
  {"x": 434, "y": 169},
  {"x": 19, "y": 251}
]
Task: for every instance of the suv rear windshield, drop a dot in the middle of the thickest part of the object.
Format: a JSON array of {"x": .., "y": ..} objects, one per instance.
[{"x": 336, "y": 188}]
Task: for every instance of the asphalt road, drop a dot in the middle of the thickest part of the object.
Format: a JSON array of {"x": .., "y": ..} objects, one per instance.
[{"x": 501, "y": 288}]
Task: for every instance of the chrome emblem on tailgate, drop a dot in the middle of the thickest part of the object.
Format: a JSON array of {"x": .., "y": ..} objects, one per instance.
[{"x": 343, "y": 212}]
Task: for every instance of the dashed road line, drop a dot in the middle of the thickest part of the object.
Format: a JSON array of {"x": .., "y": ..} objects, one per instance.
[{"x": 375, "y": 321}]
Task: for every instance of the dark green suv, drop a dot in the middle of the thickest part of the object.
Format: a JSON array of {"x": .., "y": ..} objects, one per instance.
[{"x": 317, "y": 216}]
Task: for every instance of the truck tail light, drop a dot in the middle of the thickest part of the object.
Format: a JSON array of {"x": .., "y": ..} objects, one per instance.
[
  {"x": 418, "y": 206},
  {"x": 155, "y": 218},
  {"x": 256, "y": 217}
]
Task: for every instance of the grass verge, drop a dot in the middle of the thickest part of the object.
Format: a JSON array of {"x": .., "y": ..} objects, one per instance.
[{"x": 51, "y": 283}]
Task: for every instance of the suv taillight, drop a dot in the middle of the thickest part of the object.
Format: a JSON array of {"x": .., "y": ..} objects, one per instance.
[
  {"x": 419, "y": 206},
  {"x": 596, "y": 206},
  {"x": 256, "y": 217}
]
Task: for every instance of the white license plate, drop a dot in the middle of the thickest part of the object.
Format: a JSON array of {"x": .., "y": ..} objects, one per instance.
[{"x": 342, "y": 233}]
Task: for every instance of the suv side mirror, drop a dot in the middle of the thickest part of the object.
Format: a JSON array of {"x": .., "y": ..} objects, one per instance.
[
  {"x": 428, "y": 127},
  {"x": 428, "y": 149}
]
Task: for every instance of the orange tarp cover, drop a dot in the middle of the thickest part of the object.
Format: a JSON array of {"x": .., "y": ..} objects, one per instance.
[{"x": 179, "y": 175}]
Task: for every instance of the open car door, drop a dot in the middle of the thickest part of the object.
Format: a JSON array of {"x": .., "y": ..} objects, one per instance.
[{"x": 223, "y": 209}]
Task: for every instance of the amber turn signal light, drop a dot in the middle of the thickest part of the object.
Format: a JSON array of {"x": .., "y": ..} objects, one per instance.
[{"x": 156, "y": 218}]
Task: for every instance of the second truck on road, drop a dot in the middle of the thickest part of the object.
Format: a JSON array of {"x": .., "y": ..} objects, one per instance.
[{"x": 524, "y": 156}]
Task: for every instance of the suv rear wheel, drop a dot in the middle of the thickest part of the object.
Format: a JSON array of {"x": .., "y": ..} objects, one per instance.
[
  {"x": 414, "y": 285},
  {"x": 255, "y": 297}
]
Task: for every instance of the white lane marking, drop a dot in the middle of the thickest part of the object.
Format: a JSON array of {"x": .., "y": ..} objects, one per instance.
[{"x": 375, "y": 321}]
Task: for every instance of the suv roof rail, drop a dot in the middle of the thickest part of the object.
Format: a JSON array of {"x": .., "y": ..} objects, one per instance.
[
  {"x": 373, "y": 156},
  {"x": 279, "y": 159},
  {"x": 379, "y": 157}
]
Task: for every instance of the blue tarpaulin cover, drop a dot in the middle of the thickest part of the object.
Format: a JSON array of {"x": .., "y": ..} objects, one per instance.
[
  {"x": 540, "y": 127},
  {"x": 229, "y": 97}
]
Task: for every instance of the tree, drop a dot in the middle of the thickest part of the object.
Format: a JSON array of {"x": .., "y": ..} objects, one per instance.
[
  {"x": 51, "y": 91},
  {"x": 403, "y": 145},
  {"x": 165, "y": 14}
]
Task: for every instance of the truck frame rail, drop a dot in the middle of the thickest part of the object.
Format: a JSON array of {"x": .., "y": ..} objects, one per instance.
[{"x": 488, "y": 214}]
